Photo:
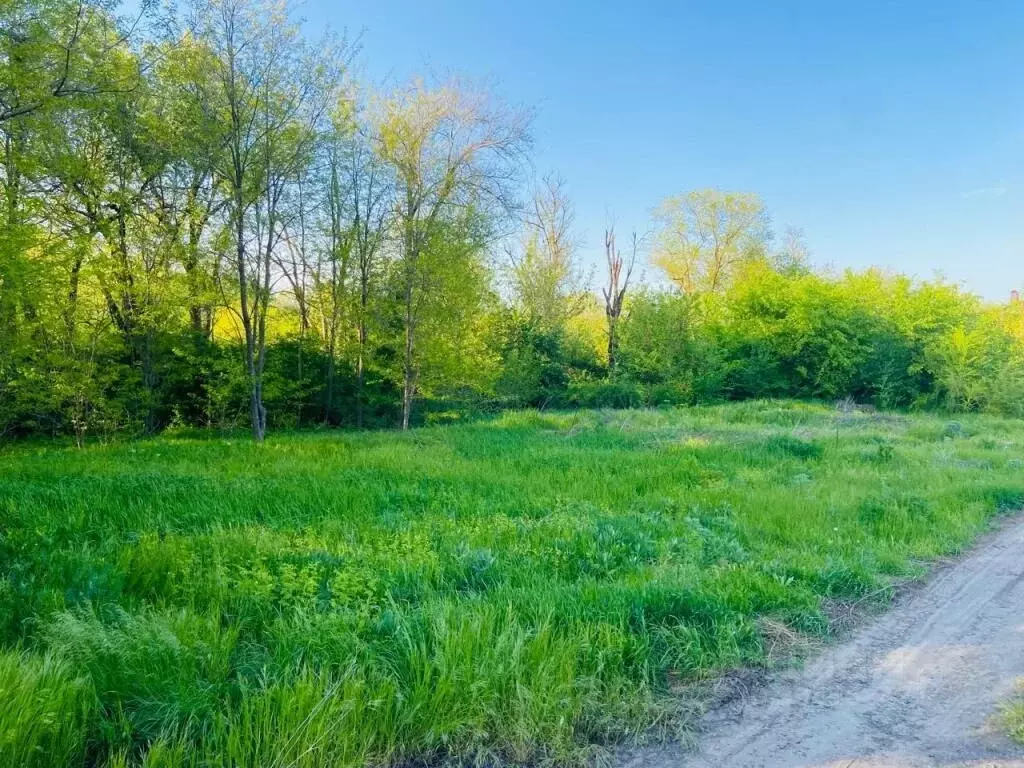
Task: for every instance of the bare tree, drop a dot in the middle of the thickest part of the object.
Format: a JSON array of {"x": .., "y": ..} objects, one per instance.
[
  {"x": 450, "y": 149},
  {"x": 620, "y": 273}
]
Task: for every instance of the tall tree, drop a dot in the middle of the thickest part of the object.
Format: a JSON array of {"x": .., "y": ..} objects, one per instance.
[
  {"x": 106, "y": 161},
  {"x": 704, "y": 236},
  {"x": 53, "y": 52},
  {"x": 271, "y": 91},
  {"x": 188, "y": 200},
  {"x": 451, "y": 149},
  {"x": 371, "y": 206},
  {"x": 545, "y": 278}
]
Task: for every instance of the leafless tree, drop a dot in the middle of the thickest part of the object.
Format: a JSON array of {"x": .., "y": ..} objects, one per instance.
[{"x": 620, "y": 273}]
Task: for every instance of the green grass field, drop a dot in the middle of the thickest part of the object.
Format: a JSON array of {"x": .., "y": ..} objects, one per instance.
[{"x": 525, "y": 589}]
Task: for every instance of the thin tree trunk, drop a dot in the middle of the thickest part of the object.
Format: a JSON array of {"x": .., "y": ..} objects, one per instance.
[
  {"x": 409, "y": 383},
  {"x": 70, "y": 311},
  {"x": 256, "y": 410},
  {"x": 197, "y": 312},
  {"x": 299, "y": 373},
  {"x": 329, "y": 396},
  {"x": 613, "y": 345},
  {"x": 360, "y": 368},
  {"x": 148, "y": 380}
]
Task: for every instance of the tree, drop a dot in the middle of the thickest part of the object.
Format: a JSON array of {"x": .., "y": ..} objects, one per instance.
[
  {"x": 55, "y": 50},
  {"x": 794, "y": 256},
  {"x": 546, "y": 282},
  {"x": 361, "y": 205},
  {"x": 270, "y": 91},
  {"x": 65, "y": 52},
  {"x": 620, "y": 272},
  {"x": 454, "y": 294},
  {"x": 704, "y": 236},
  {"x": 187, "y": 198},
  {"x": 451, "y": 150}
]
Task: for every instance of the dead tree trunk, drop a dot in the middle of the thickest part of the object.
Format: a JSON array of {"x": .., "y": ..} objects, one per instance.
[{"x": 620, "y": 272}]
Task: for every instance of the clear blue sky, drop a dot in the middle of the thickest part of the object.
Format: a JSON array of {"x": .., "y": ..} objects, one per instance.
[{"x": 892, "y": 133}]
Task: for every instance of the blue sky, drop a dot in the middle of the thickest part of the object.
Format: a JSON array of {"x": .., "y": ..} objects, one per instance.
[{"x": 892, "y": 133}]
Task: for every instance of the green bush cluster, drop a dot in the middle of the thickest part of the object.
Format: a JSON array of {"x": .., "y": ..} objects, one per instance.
[{"x": 875, "y": 339}]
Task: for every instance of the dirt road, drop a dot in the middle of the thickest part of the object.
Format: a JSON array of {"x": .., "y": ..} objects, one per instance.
[{"x": 915, "y": 687}]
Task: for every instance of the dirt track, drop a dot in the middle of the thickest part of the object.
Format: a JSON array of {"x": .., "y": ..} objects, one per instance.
[{"x": 915, "y": 687}]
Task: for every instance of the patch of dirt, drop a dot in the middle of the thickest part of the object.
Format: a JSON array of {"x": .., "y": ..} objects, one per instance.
[{"x": 913, "y": 688}]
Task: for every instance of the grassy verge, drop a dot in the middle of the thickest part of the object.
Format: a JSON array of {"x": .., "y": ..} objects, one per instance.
[
  {"x": 526, "y": 589},
  {"x": 1011, "y": 718}
]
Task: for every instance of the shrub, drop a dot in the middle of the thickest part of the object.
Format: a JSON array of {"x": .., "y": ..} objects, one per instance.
[{"x": 604, "y": 394}]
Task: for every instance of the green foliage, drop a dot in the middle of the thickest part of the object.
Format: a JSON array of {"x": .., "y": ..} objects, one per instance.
[
  {"x": 1011, "y": 719},
  {"x": 705, "y": 237},
  {"x": 330, "y": 598},
  {"x": 587, "y": 393},
  {"x": 45, "y": 706},
  {"x": 879, "y": 340},
  {"x": 664, "y": 346},
  {"x": 345, "y": 275}
]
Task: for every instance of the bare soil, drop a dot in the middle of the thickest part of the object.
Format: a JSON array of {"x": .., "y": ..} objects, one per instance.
[{"x": 914, "y": 687}]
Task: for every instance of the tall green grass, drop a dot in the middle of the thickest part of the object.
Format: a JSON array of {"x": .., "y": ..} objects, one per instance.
[
  {"x": 528, "y": 589},
  {"x": 44, "y": 708},
  {"x": 1010, "y": 717}
]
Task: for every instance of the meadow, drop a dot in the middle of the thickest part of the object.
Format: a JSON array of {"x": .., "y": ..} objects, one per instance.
[{"x": 533, "y": 588}]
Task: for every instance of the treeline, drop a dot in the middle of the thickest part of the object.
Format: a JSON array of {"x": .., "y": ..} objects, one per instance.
[{"x": 208, "y": 222}]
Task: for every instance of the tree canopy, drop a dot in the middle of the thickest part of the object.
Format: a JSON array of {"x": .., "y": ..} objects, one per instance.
[{"x": 208, "y": 222}]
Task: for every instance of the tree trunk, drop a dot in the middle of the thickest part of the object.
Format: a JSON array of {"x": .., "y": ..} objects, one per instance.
[
  {"x": 198, "y": 313},
  {"x": 329, "y": 397},
  {"x": 145, "y": 342},
  {"x": 360, "y": 373},
  {"x": 613, "y": 345},
  {"x": 300, "y": 373},
  {"x": 409, "y": 383},
  {"x": 70, "y": 311},
  {"x": 257, "y": 413}
]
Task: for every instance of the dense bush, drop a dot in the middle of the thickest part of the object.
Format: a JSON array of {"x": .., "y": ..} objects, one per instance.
[{"x": 877, "y": 339}]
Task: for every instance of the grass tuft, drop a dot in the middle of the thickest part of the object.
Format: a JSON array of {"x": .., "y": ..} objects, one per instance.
[{"x": 44, "y": 710}]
